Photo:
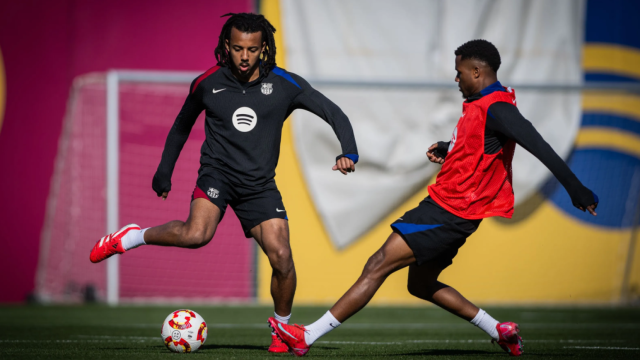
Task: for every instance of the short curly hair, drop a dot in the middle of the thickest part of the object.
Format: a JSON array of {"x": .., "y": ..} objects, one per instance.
[{"x": 481, "y": 50}]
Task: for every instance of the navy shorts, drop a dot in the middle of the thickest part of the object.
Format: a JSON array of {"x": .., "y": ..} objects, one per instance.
[
  {"x": 434, "y": 234},
  {"x": 252, "y": 204}
]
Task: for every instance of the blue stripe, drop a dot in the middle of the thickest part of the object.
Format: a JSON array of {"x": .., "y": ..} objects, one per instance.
[
  {"x": 353, "y": 157},
  {"x": 280, "y": 72},
  {"x": 496, "y": 86},
  {"x": 613, "y": 21},
  {"x": 405, "y": 228},
  {"x": 611, "y": 121},
  {"x": 608, "y": 78}
]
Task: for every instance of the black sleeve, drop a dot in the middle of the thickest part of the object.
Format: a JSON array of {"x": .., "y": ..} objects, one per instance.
[
  {"x": 175, "y": 141},
  {"x": 313, "y": 101},
  {"x": 505, "y": 118}
]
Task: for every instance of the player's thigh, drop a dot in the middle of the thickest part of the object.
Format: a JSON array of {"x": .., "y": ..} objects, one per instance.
[
  {"x": 273, "y": 237},
  {"x": 394, "y": 255},
  {"x": 204, "y": 217},
  {"x": 209, "y": 202},
  {"x": 262, "y": 215}
]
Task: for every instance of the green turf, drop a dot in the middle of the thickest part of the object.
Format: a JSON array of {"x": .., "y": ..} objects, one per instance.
[{"x": 240, "y": 332}]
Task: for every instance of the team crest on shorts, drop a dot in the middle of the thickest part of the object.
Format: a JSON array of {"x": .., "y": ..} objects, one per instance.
[
  {"x": 267, "y": 88},
  {"x": 213, "y": 193}
]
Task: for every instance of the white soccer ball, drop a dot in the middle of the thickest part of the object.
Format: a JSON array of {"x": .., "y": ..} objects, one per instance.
[{"x": 184, "y": 331}]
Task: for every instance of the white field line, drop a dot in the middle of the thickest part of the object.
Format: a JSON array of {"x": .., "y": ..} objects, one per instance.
[
  {"x": 79, "y": 341},
  {"x": 142, "y": 339},
  {"x": 373, "y": 326},
  {"x": 599, "y": 348},
  {"x": 117, "y": 337},
  {"x": 459, "y": 341}
]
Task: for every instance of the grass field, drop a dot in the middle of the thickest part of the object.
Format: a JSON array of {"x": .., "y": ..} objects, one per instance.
[{"x": 240, "y": 332}]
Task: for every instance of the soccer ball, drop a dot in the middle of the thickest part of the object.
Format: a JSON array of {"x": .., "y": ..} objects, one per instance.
[{"x": 184, "y": 331}]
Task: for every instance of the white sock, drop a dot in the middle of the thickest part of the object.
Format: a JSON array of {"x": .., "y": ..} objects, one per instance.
[
  {"x": 282, "y": 319},
  {"x": 325, "y": 324},
  {"x": 485, "y": 322},
  {"x": 133, "y": 239}
]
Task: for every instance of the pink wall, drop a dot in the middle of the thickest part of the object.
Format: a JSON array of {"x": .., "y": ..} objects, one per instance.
[{"x": 45, "y": 44}]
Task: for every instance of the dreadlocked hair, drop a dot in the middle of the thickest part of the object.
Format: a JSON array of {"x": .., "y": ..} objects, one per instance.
[
  {"x": 248, "y": 23},
  {"x": 481, "y": 50}
]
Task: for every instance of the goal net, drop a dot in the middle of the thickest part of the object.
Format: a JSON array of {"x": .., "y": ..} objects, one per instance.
[{"x": 113, "y": 136}]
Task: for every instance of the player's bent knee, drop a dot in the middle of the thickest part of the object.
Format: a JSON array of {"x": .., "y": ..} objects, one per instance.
[
  {"x": 417, "y": 290},
  {"x": 374, "y": 266},
  {"x": 281, "y": 260},
  {"x": 423, "y": 289}
]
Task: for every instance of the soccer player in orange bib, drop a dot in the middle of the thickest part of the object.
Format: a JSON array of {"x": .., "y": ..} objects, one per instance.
[{"x": 474, "y": 183}]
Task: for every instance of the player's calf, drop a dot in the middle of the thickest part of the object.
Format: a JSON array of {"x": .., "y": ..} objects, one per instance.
[
  {"x": 195, "y": 239},
  {"x": 180, "y": 234}
]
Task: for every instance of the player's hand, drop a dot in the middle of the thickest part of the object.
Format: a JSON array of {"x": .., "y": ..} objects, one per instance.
[
  {"x": 164, "y": 195},
  {"x": 344, "y": 165},
  {"x": 591, "y": 208},
  {"x": 433, "y": 157}
]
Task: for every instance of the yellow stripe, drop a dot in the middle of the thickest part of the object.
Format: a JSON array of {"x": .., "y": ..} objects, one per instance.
[
  {"x": 3, "y": 90},
  {"x": 271, "y": 10},
  {"x": 606, "y": 138},
  {"x": 612, "y": 103},
  {"x": 613, "y": 59}
]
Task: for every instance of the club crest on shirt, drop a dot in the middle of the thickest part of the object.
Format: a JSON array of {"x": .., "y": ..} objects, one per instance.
[
  {"x": 267, "y": 88},
  {"x": 213, "y": 193}
]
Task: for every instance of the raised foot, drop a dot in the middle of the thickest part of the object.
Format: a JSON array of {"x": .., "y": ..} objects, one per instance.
[{"x": 110, "y": 244}]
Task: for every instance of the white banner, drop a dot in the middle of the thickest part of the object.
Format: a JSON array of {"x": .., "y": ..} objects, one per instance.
[{"x": 539, "y": 41}]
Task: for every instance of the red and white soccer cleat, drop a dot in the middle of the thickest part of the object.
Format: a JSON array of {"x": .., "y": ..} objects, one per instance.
[
  {"x": 277, "y": 346},
  {"x": 509, "y": 340},
  {"x": 110, "y": 244},
  {"x": 291, "y": 335}
]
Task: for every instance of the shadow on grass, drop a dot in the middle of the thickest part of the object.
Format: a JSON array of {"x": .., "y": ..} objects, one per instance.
[
  {"x": 233, "y": 347},
  {"x": 453, "y": 352}
]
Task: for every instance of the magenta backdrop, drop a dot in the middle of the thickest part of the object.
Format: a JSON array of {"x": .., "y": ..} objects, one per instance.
[{"x": 45, "y": 44}]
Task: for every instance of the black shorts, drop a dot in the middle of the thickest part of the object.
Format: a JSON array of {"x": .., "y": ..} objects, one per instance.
[
  {"x": 252, "y": 205},
  {"x": 434, "y": 234}
]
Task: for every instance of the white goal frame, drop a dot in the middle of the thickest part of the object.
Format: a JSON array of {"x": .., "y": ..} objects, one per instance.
[{"x": 114, "y": 78}]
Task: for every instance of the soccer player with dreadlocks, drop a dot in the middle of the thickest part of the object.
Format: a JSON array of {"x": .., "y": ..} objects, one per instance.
[
  {"x": 474, "y": 183},
  {"x": 246, "y": 99}
]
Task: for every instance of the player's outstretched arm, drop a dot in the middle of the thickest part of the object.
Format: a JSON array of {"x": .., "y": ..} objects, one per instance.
[
  {"x": 506, "y": 119},
  {"x": 176, "y": 139},
  {"x": 312, "y": 100}
]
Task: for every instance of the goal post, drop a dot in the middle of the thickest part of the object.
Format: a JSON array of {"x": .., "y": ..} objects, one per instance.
[
  {"x": 114, "y": 77},
  {"x": 113, "y": 135}
]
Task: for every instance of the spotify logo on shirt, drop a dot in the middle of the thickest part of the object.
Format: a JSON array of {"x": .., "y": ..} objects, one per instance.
[{"x": 245, "y": 119}]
